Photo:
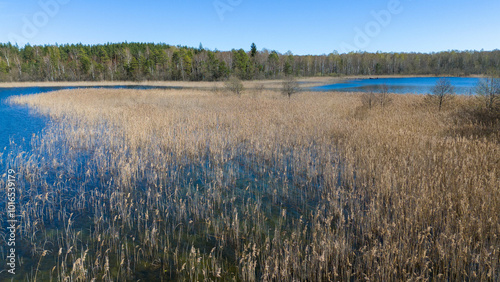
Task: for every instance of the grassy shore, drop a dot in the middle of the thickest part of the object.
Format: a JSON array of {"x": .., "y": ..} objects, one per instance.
[
  {"x": 267, "y": 84},
  {"x": 253, "y": 84},
  {"x": 192, "y": 185}
]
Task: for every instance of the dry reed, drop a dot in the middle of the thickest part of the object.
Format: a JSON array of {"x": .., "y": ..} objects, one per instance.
[{"x": 192, "y": 185}]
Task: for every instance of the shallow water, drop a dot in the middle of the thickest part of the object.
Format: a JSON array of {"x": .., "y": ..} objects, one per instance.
[
  {"x": 412, "y": 85},
  {"x": 18, "y": 123},
  {"x": 63, "y": 184}
]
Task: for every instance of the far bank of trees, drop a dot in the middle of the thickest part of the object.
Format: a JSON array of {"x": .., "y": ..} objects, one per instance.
[{"x": 148, "y": 61}]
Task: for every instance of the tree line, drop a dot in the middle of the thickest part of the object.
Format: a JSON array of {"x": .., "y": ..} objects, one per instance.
[{"x": 149, "y": 61}]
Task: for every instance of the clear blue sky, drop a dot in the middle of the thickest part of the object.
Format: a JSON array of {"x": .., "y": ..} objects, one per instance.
[{"x": 303, "y": 27}]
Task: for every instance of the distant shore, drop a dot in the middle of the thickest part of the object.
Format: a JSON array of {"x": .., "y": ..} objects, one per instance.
[{"x": 268, "y": 84}]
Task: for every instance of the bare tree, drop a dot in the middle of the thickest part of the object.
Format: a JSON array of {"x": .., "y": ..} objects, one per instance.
[
  {"x": 384, "y": 95},
  {"x": 290, "y": 86},
  {"x": 368, "y": 99},
  {"x": 489, "y": 92},
  {"x": 442, "y": 91},
  {"x": 234, "y": 85}
]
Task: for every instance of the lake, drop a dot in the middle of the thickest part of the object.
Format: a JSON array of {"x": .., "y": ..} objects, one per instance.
[
  {"x": 18, "y": 123},
  {"x": 144, "y": 210},
  {"x": 412, "y": 85}
]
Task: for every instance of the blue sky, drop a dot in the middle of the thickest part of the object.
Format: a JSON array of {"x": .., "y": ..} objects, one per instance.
[{"x": 303, "y": 27}]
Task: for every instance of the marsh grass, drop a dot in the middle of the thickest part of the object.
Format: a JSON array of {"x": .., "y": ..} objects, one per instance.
[
  {"x": 205, "y": 85},
  {"x": 191, "y": 185}
]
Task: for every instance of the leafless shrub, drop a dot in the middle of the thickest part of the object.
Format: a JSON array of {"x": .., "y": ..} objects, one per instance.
[
  {"x": 384, "y": 97},
  {"x": 441, "y": 92},
  {"x": 369, "y": 99},
  {"x": 234, "y": 85},
  {"x": 488, "y": 91},
  {"x": 290, "y": 86}
]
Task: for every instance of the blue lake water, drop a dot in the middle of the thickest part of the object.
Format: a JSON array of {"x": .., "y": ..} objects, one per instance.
[
  {"x": 413, "y": 85},
  {"x": 18, "y": 123}
]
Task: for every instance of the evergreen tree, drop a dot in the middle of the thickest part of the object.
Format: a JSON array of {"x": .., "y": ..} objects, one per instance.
[
  {"x": 165, "y": 62},
  {"x": 253, "y": 50}
]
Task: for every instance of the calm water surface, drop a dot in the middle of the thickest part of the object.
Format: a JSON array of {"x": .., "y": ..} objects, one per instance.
[
  {"x": 413, "y": 85},
  {"x": 18, "y": 123}
]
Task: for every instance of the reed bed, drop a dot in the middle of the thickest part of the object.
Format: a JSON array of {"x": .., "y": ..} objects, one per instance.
[
  {"x": 249, "y": 84},
  {"x": 191, "y": 185}
]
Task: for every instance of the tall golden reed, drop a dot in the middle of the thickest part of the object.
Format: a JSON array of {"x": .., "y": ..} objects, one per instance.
[{"x": 191, "y": 185}]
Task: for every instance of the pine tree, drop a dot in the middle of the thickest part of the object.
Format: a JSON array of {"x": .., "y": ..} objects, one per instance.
[{"x": 253, "y": 50}]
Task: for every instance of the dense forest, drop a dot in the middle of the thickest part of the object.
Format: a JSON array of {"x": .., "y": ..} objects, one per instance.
[{"x": 148, "y": 61}]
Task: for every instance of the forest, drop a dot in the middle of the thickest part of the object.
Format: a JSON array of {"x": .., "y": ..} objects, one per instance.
[{"x": 150, "y": 61}]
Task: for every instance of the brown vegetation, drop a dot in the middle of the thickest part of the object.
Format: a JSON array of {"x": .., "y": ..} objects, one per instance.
[{"x": 187, "y": 185}]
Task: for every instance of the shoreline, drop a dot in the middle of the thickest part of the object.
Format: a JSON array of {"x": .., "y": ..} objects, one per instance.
[{"x": 268, "y": 84}]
